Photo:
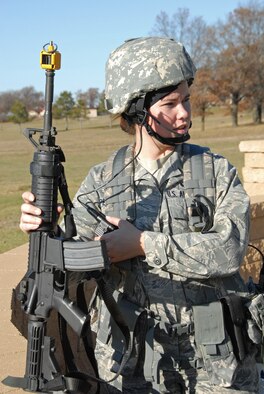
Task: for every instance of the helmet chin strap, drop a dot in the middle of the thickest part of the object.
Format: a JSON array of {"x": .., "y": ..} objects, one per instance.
[{"x": 178, "y": 139}]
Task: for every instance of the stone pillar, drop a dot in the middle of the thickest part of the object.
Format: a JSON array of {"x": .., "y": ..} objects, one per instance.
[
  {"x": 253, "y": 181},
  {"x": 253, "y": 260},
  {"x": 253, "y": 170}
]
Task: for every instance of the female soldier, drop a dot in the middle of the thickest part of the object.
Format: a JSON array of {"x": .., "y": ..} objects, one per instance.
[{"x": 181, "y": 217}]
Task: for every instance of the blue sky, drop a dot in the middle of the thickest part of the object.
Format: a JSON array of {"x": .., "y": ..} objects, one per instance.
[{"x": 86, "y": 31}]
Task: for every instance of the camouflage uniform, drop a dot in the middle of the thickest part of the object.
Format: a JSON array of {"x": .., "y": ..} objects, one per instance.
[{"x": 181, "y": 269}]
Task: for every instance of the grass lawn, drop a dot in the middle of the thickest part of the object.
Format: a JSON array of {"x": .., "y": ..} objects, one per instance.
[{"x": 88, "y": 143}]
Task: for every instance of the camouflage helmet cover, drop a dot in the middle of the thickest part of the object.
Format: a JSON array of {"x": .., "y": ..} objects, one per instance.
[{"x": 143, "y": 65}]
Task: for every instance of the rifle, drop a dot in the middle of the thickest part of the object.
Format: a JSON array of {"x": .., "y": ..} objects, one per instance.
[{"x": 51, "y": 258}]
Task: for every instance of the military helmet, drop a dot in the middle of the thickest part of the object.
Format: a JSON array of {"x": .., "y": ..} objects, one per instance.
[{"x": 144, "y": 65}]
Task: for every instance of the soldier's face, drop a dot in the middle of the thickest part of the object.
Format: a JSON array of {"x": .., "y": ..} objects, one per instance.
[{"x": 172, "y": 113}]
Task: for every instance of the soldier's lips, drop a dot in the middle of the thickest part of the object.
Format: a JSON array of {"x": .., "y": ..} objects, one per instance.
[{"x": 181, "y": 131}]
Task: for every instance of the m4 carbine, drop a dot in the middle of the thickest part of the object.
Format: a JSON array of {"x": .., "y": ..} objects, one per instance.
[{"x": 51, "y": 258}]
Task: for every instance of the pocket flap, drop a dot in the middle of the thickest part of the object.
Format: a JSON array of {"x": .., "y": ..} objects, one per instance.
[{"x": 209, "y": 326}]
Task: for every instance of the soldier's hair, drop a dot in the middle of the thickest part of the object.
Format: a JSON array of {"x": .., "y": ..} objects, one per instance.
[{"x": 127, "y": 124}]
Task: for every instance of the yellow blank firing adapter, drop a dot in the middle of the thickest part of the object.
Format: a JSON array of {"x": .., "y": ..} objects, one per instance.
[{"x": 50, "y": 58}]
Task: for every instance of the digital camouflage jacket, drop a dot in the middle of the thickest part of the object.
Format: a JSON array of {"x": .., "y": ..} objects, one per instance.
[{"x": 181, "y": 268}]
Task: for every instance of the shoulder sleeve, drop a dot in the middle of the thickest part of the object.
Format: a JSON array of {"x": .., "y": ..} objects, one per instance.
[{"x": 88, "y": 193}]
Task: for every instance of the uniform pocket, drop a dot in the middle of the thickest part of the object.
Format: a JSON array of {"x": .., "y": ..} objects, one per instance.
[
  {"x": 214, "y": 344},
  {"x": 177, "y": 207}
]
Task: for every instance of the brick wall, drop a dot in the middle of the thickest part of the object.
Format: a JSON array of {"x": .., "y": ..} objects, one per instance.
[
  {"x": 253, "y": 181},
  {"x": 253, "y": 170}
]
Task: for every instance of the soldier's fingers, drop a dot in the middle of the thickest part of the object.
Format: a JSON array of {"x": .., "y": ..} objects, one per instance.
[
  {"x": 29, "y": 219},
  {"x": 26, "y": 227},
  {"x": 114, "y": 220},
  {"x": 28, "y": 197},
  {"x": 29, "y": 222},
  {"x": 31, "y": 209},
  {"x": 60, "y": 208}
]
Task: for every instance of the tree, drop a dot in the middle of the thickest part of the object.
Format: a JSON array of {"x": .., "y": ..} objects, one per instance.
[
  {"x": 202, "y": 97},
  {"x": 198, "y": 38},
  {"x": 194, "y": 33},
  {"x": 101, "y": 106},
  {"x": 256, "y": 84},
  {"x": 233, "y": 51},
  {"x": 250, "y": 26},
  {"x": 7, "y": 99},
  {"x": 19, "y": 113},
  {"x": 32, "y": 99},
  {"x": 86, "y": 100},
  {"x": 82, "y": 104},
  {"x": 239, "y": 67},
  {"x": 228, "y": 79},
  {"x": 80, "y": 110},
  {"x": 63, "y": 106},
  {"x": 93, "y": 97}
]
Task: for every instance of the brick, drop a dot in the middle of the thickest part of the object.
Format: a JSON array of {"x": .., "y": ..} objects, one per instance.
[
  {"x": 254, "y": 160},
  {"x": 254, "y": 189},
  {"x": 257, "y": 228},
  {"x": 253, "y": 175},
  {"x": 252, "y": 269},
  {"x": 252, "y": 262},
  {"x": 257, "y": 206},
  {"x": 252, "y": 146}
]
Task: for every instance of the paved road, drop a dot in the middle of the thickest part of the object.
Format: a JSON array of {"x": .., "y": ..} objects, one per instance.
[{"x": 13, "y": 266}]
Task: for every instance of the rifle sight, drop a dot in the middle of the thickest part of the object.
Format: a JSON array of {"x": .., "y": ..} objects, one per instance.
[{"x": 50, "y": 58}]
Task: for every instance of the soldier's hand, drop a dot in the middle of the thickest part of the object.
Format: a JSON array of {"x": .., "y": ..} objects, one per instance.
[
  {"x": 124, "y": 243},
  {"x": 30, "y": 218}
]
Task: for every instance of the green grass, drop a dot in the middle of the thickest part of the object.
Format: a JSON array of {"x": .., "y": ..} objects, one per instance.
[{"x": 86, "y": 144}]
